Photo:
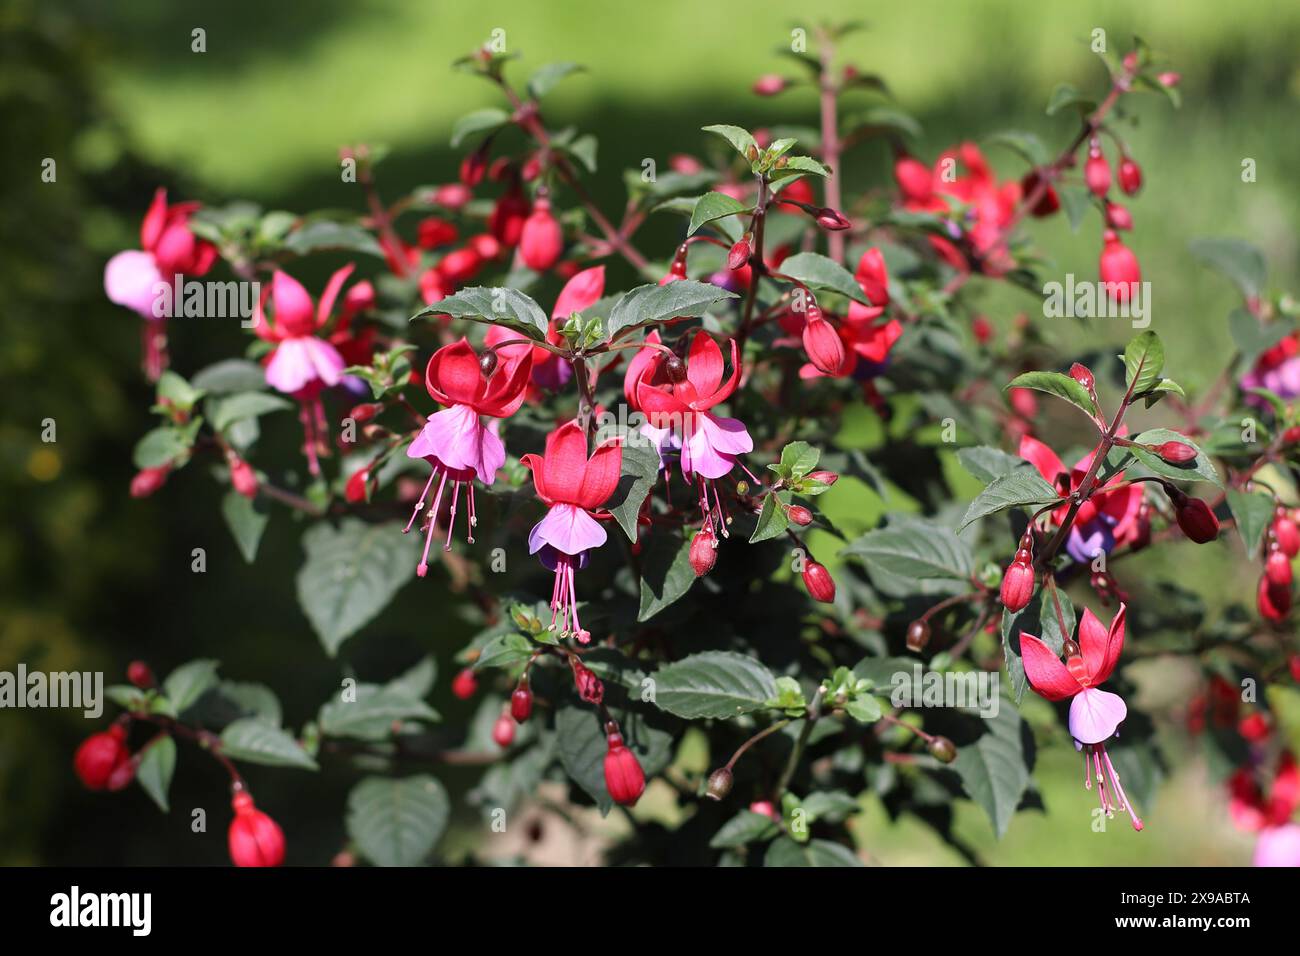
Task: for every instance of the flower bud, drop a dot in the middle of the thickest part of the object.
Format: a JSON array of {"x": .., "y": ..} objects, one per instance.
[
  {"x": 365, "y": 412},
  {"x": 624, "y": 778},
  {"x": 1118, "y": 268},
  {"x": 255, "y": 839},
  {"x": 1130, "y": 176},
  {"x": 704, "y": 552},
  {"x": 677, "y": 270},
  {"x": 818, "y": 581},
  {"x": 486, "y": 245},
  {"x": 590, "y": 689},
  {"x": 242, "y": 477},
  {"x": 149, "y": 480},
  {"x": 1083, "y": 375},
  {"x": 465, "y": 684},
  {"x": 1291, "y": 436},
  {"x": 769, "y": 85},
  {"x": 823, "y": 345},
  {"x": 719, "y": 785},
  {"x": 434, "y": 232},
  {"x": 799, "y": 515},
  {"x": 473, "y": 166},
  {"x": 357, "y": 486},
  {"x": 1048, "y": 203},
  {"x": 140, "y": 674},
  {"x": 503, "y": 731},
  {"x": 452, "y": 195},
  {"x": 942, "y": 749},
  {"x": 1274, "y": 601},
  {"x": 1277, "y": 568},
  {"x": 832, "y": 220},
  {"x": 918, "y": 635},
  {"x": 982, "y": 329},
  {"x": 1286, "y": 533},
  {"x": 1018, "y": 583},
  {"x": 827, "y": 478},
  {"x": 1117, "y": 217},
  {"x": 100, "y": 756},
  {"x": 1176, "y": 452},
  {"x": 521, "y": 702},
  {"x": 1169, "y": 80},
  {"x": 487, "y": 363},
  {"x": 1196, "y": 519},
  {"x": 739, "y": 254},
  {"x": 456, "y": 267},
  {"x": 1096, "y": 171}
]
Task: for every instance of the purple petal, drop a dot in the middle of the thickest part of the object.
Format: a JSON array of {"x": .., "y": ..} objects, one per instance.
[
  {"x": 1278, "y": 846},
  {"x": 129, "y": 280},
  {"x": 457, "y": 438},
  {"x": 290, "y": 368},
  {"x": 566, "y": 528},
  {"x": 1095, "y": 714}
]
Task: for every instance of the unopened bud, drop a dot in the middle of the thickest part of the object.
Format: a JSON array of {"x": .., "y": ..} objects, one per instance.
[
  {"x": 1176, "y": 452},
  {"x": 918, "y": 635},
  {"x": 942, "y": 749},
  {"x": 800, "y": 515},
  {"x": 487, "y": 363},
  {"x": 720, "y": 782}
]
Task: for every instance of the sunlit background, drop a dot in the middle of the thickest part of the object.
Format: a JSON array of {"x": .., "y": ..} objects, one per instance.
[{"x": 112, "y": 91}]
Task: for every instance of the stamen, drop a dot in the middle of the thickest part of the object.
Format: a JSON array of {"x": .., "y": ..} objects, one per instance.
[
  {"x": 1125, "y": 803},
  {"x": 420, "y": 504},
  {"x": 473, "y": 518},
  {"x": 722, "y": 512},
  {"x": 451, "y": 514},
  {"x": 423, "y": 567}
]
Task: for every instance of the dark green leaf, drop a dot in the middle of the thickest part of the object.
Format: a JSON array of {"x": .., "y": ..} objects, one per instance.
[
  {"x": 737, "y": 137},
  {"x": 1021, "y": 488},
  {"x": 372, "y": 714},
  {"x": 713, "y": 684},
  {"x": 745, "y": 827},
  {"x": 648, "y": 304},
  {"x": 246, "y": 518},
  {"x": 713, "y": 206},
  {"x": 1144, "y": 360},
  {"x": 914, "y": 548},
  {"x": 498, "y": 306},
  {"x": 154, "y": 773},
  {"x": 987, "y": 463},
  {"x": 994, "y": 769},
  {"x": 483, "y": 121},
  {"x": 819, "y": 272},
  {"x": 1198, "y": 469},
  {"x": 787, "y": 852},
  {"x": 397, "y": 821},
  {"x": 1252, "y": 512},
  {"x": 1237, "y": 259},
  {"x": 185, "y": 685},
  {"x": 544, "y": 80},
  {"x": 666, "y": 574},
  {"x": 640, "y": 469},
  {"x": 255, "y": 741},
  {"x": 1055, "y": 383},
  {"x": 315, "y": 236}
]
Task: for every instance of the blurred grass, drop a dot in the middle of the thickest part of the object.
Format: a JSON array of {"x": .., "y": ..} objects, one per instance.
[{"x": 261, "y": 115}]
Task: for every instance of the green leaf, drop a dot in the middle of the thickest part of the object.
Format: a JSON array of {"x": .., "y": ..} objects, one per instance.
[
  {"x": 745, "y": 827},
  {"x": 581, "y": 745},
  {"x": 397, "y": 821},
  {"x": 639, "y": 471},
  {"x": 666, "y": 574},
  {"x": 177, "y": 391},
  {"x": 994, "y": 770},
  {"x": 372, "y": 714},
  {"x": 231, "y": 375},
  {"x": 1237, "y": 259},
  {"x": 741, "y": 139},
  {"x": 1058, "y": 384},
  {"x": 884, "y": 119},
  {"x": 228, "y": 409},
  {"x": 483, "y": 121},
  {"x": 547, "y": 76},
  {"x": 1066, "y": 95},
  {"x": 498, "y": 306},
  {"x": 865, "y": 709},
  {"x": 1199, "y": 468},
  {"x": 352, "y": 571},
  {"x": 1029, "y": 146},
  {"x": 185, "y": 685},
  {"x": 773, "y": 520},
  {"x": 798, "y": 166},
  {"x": 713, "y": 206},
  {"x": 1252, "y": 512},
  {"x": 160, "y": 446},
  {"x": 416, "y": 682},
  {"x": 648, "y": 304},
  {"x": 256, "y": 741},
  {"x": 504, "y": 650},
  {"x": 1253, "y": 337},
  {"x": 1039, "y": 618},
  {"x": 713, "y": 684},
  {"x": 788, "y": 852},
  {"x": 1144, "y": 360},
  {"x": 986, "y": 463},
  {"x": 914, "y": 548},
  {"x": 154, "y": 773},
  {"x": 246, "y": 518},
  {"x": 819, "y": 272},
  {"x": 798, "y": 458},
  {"x": 1076, "y": 201},
  {"x": 1021, "y": 488},
  {"x": 315, "y": 236}
]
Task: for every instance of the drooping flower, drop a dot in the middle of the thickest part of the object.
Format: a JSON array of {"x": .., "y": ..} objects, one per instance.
[
  {"x": 681, "y": 410},
  {"x": 302, "y": 364},
  {"x": 1106, "y": 520},
  {"x": 455, "y": 441},
  {"x": 1278, "y": 370},
  {"x": 1278, "y": 843},
  {"x": 254, "y": 838},
  {"x": 572, "y": 486},
  {"x": 1095, "y": 714},
  {"x": 167, "y": 249},
  {"x": 103, "y": 762}
]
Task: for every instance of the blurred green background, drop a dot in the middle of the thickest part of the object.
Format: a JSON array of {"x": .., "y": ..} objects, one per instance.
[{"x": 112, "y": 91}]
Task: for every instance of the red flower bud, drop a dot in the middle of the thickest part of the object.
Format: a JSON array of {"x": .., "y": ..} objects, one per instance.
[
  {"x": 1291, "y": 435},
  {"x": 542, "y": 239},
  {"x": 818, "y": 581},
  {"x": 832, "y": 220},
  {"x": 624, "y": 778},
  {"x": 1287, "y": 535},
  {"x": 521, "y": 702},
  {"x": 1018, "y": 583},
  {"x": 1274, "y": 602},
  {"x": 704, "y": 552},
  {"x": 473, "y": 166},
  {"x": 365, "y": 412},
  {"x": 465, "y": 684},
  {"x": 486, "y": 245},
  {"x": 255, "y": 839},
  {"x": 590, "y": 689},
  {"x": 677, "y": 270},
  {"x": 982, "y": 329},
  {"x": 1169, "y": 80},
  {"x": 357, "y": 487},
  {"x": 1196, "y": 519},
  {"x": 1048, "y": 203},
  {"x": 1277, "y": 568},
  {"x": 769, "y": 85},
  {"x": 149, "y": 480},
  {"x": 1253, "y": 727},
  {"x": 452, "y": 195},
  {"x": 434, "y": 232},
  {"x": 1130, "y": 176},
  {"x": 457, "y": 266},
  {"x": 1294, "y": 664},
  {"x": 918, "y": 635},
  {"x": 823, "y": 345},
  {"x": 1118, "y": 268},
  {"x": 506, "y": 222},
  {"x": 799, "y": 515},
  {"x": 503, "y": 731},
  {"x": 739, "y": 254},
  {"x": 1117, "y": 217},
  {"x": 827, "y": 478},
  {"x": 100, "y": 757},
  {"x": 1176, "y": 452},
  {"x": 242, "y": 477},
  {"x": 140, "y": 674},
  {"x": 1083, "y": 375},
  {"x": 1096, "y": 172}
]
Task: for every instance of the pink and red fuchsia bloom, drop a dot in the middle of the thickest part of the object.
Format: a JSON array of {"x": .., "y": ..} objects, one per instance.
[
  {"x": 167, "y": 249},
  {"x": 1278, "y": 843},
  {"x": 455, "y": 440},
  {"x": 1095, "y": 714},
  {"x": 571, "y": 486},
  {"x": 255, "y": 839},
  {"x": 301, "y": 364}
]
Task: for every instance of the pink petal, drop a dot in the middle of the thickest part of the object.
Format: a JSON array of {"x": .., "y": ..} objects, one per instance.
[
  {"x": 1047, "y": 462},
  {"x": 293, "y": 310},
  {"x": 1095, "y": 714},
  {"x": 565, "y": 462},
  {"x": 566, "y": 528},
  {"x": 704, "y": 366},
  {"x": 129, "y": 280},
  {"x": 1278, "y": 846},
  {"x": 602, "y": 474},
  {"x": 456, "y": 438},
  {"x": 325, "y": 360},
  {"x": 290, "y": 368},
  {"x": 580, "y": 292},
  {"x": 332, "y": 289},
  {"x": 1093, "y": 638}
]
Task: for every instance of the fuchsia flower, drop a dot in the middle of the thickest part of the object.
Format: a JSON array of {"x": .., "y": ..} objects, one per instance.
[
  {"x": 1278, "y": 843},
  {"x": 681, "y": 411},
  {"x": 550, "y": 371},
  {"x": 455, "y": 440},
  {"x": 168, "y": 249},
  {"x": 572, "y": 486},
  {"x": 1095, "y": 714},
  {"x": 1278, "y": 370},
  {"x": 301, "y": 364}
]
